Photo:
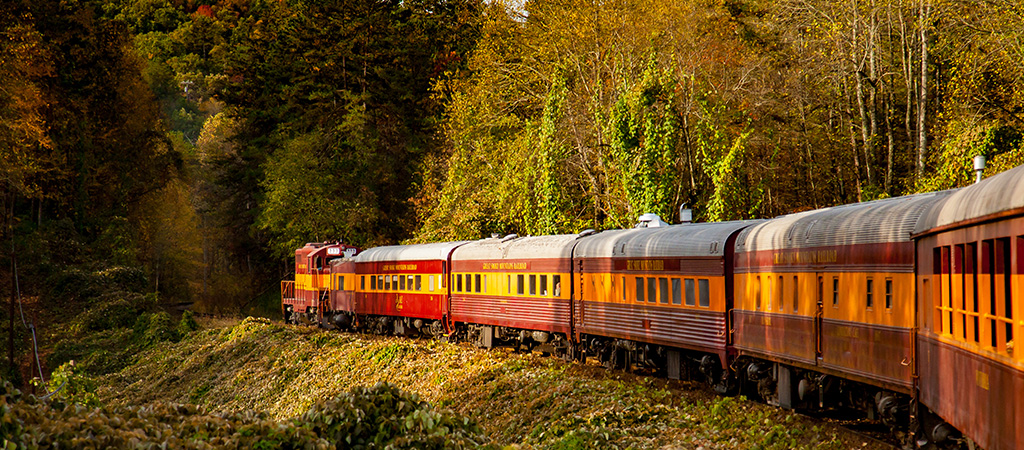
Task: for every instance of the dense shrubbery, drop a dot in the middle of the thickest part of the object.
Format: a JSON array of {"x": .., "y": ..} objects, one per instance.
[
  {"x": 381, "y": 417},
  {"x": 111, "y": 327}
]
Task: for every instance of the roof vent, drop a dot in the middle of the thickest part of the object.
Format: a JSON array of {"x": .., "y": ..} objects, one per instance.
[
  {"x": 509, "y": 237},
  {"x": 979, "y": 167},
  {"x": 650, "y": 220},
  {"x": 685, "y": 214},
  {"x": 585, "y": 233}
]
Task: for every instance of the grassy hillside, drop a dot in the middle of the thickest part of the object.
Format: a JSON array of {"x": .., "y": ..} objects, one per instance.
[{"x": 518, "y": 400}]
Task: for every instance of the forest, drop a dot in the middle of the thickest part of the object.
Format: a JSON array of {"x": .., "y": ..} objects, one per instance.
[{"x": 189, "y": 146}]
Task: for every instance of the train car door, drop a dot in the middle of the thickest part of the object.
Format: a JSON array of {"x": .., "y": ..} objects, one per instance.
[{"x": 819, "y": 314}]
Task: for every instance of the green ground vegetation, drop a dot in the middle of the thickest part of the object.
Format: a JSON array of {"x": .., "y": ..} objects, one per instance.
[{"x": 280, "y": 373}]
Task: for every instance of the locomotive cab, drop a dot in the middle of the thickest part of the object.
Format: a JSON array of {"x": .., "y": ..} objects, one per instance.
[{"x": 305, "y": 299}]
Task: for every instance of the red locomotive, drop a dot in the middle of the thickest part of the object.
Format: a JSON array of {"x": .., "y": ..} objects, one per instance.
[{"x": 906, "y": 308}]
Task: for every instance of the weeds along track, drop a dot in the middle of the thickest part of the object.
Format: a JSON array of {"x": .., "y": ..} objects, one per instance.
[{"x": 517, "y": 399}]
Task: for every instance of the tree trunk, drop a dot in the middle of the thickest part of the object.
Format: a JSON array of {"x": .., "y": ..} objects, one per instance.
[
  {"x": 853, "y": 142},
  {"x": 922, "y": 101},
  {"x": 910, "y": 86}
]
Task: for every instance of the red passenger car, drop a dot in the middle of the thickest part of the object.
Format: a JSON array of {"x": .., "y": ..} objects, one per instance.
[{"x": 403, "y": 288}]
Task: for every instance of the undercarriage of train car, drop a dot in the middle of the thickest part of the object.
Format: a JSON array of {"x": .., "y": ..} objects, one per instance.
[
  {"x": 674, "y": 363},
  {"x": 399, "y": 326},
  {"x": 800, "y": 389},
  {"x": 485, "y": 336},
  {"x": 308, "y": 317}
]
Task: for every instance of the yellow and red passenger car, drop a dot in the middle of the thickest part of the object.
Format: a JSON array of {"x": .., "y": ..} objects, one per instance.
[
  {"x": 664, "y": 288},
  {"x": 830, "y": 292},
  {"x": 515, "y": 290},
  {"x": 970, "y": 293}
]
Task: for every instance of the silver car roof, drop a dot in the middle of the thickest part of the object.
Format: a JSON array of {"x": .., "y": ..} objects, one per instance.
[
  {"x": 993, "y": 195},
  {"x": 686, "y": 240},
  {"x": 878, "y": 221},
  {"x": 415, "y": 252}
]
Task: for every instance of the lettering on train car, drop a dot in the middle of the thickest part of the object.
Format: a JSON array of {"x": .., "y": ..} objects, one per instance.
[
  {"x": 506, "y": 266},
  {"x": 645, "y": 264},
  {"x": 805, "y": 257},
  {"x": 398, "y": 267}
]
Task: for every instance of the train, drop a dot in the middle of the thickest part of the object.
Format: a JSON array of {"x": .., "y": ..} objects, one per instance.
[{"x": 905, "y": 308}]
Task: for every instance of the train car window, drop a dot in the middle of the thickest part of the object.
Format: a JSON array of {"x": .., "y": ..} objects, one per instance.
[
  {"x": 476, "y": 283},
  {"x": 972, "y": 268},
  {"x": 533, "y": 284},
  {"x": 779, "y": 289},
  {"x": 387, "y": 282},
  {"x": 691, "y": 299},
  {"x": 871, "y": 293},
  {"x": 986, "y": 289},
  {"x": 947, "y": 288},
  {"x": 508, "y": 285},
  {"x": 556, "y": 283},
  {"x": 544, "y": 285},
  {"x": 796, "y": 295},
  {"x": 639, "y": 289},
  {"x": 888, "y": 293},
  {"x": 652, "y": 290},
  {"x": 409, "y": 283},
  {"x": 768, "y": 292},
  {"x": 362, "y": 282},
  {"x": 401, "y": 283},
  {"x": 757, "y": 292},
  {"x": 1004, "y": 267},
  {"x": 835, "y": 291},
  {"x": 677, "y": 292},
  {"x": 663, "y": 290},
  {"x": 419, "y": 283},
  {"x": 458, "y": 282},
  {"x": 484, "y": 286},
  {"x": 702, "y": 293},
  {"x": 469, "y": 283},
  {"x": 430, "y": 283},
  {"x": 957, "y": 292},
  {"x": 520, "y": 284},
  {"x": 623, "y": 285},
  {"x": 341, "y": 282}
]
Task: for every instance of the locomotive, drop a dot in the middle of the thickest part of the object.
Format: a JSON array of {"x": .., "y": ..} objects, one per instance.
[{"x": 905, "y": 308}]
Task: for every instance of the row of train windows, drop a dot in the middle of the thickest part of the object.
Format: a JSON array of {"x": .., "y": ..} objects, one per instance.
[
  {"x": 762, "y": 296},
  {"x": 976, "y": 291},
  {"x": 397, "y": 282},
  {"x": 521, "y": 284},
  {"x": 657, "y": 290}
]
